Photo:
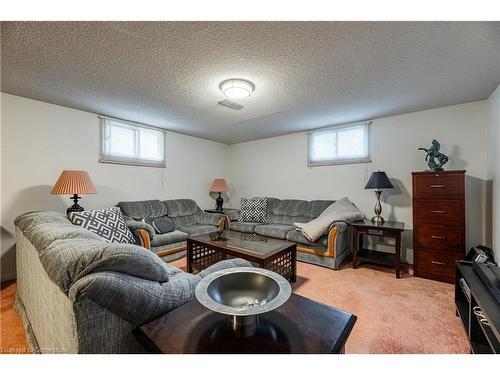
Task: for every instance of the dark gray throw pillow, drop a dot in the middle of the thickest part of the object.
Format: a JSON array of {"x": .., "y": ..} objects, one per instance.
[
  {"x": 161, "y": 224},
  {"x": 106, "y": 222},
  {"x": 253, "y": 210}
]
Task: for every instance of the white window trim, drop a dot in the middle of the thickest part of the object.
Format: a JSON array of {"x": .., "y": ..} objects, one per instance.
[
  {"x": 104, "y": 157},
  {"x": 321, "y": 163}
]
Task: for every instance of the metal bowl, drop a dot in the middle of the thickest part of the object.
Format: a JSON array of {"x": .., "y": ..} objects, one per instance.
[{"x": 243, "y": 293}]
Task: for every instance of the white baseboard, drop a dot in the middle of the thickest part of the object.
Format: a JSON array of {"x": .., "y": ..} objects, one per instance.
[{"x": 8, "y": 277}]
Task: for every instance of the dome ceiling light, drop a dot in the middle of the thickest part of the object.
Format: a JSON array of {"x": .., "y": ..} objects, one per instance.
[{"x": 237, "y": 88}]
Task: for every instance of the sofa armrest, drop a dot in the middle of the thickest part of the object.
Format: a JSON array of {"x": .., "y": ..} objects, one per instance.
[
  {"x": 332, "y": 237},
  {"x": 207, "y": 218},
  {"x": 134, "y": 225},
  {"x": 339, "y": 239},
  {"x": 143, "y": 238},
  {"x": 224, "y": 223},
  {"x": 135, "y": 299}
]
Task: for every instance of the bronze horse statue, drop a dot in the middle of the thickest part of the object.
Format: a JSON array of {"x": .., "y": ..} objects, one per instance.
[{"x": 433, "y": 153}]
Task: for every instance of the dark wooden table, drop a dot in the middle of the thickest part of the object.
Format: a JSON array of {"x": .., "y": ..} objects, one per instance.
[
  {"x": 269, "y": 253},
  {"x": 224, "y": 210},
  {"x": 299, "y": 326},
  {"x": 391, "y": 229}
]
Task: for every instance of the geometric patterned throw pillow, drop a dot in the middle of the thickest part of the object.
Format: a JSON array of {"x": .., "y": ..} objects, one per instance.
[
  {"x": 107, "y": 223},
  {"x": 253, "y": 210}
]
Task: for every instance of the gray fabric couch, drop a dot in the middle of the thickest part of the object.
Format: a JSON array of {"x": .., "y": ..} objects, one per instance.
[
  {"x": 79, "y": 294},
  {"x": 330, "y": 250},
  {"x": 189, "y": 220}
]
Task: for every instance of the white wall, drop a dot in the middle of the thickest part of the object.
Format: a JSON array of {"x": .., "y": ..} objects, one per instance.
[
  {"x": 277, "y": 166},
  {"x": 493, "y": 165},
  {"x": 39, "y": 140}
]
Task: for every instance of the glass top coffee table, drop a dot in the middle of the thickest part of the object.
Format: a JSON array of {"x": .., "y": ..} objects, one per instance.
[{"x": 269, "y": 253}]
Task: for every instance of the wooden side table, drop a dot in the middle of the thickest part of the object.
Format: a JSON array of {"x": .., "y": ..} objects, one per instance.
[
  {"x": 391, "y": 229},
  {"x": 224, "y": 211}
]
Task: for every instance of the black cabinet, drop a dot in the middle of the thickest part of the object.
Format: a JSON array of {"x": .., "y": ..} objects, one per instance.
[{"x": 478, "y": 310}]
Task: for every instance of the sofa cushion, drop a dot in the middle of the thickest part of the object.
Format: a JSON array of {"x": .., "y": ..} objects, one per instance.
[
  {"x": 274, "y": 230},
  {"x": 168, "y": 238},
  {"x": 107, "y": 223},
  {"x": 298, "y": 237},
  {"x": 181, "y": 207},
  {"x": 140, "y": 209},
  {"x": 316, "y": 208},
  {"x": 198, "y": 229},
  {"x": 207, "y": 218},
  {"x": 253, "y": 210},
  {"x": 243, "y": 227},
  {"x": 44, "y": 227},
  {"x": 288, "y": 211}
]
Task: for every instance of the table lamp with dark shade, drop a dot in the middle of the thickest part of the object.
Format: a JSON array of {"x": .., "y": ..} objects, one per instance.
[
  {"x": 219, "y": 185},
  {"x": 378, "y": 181},
  {"x": 74, "y": 183}
]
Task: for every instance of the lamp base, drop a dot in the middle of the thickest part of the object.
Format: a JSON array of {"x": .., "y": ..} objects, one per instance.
[
  {"x": 75, "y": 207},
  {"x": 219, "y": 202},
  {"x": 378, "y": 220}
]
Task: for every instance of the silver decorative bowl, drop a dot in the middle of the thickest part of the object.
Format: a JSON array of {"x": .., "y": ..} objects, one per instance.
[{"x": 243, "y": 293}]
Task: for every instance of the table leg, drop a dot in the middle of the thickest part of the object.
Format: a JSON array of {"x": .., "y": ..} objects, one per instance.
[
  {"x": 189, "y": 256},
  {"x": 397, "y": 266},
  {"x": 354, "y": 248},
  {"x": 294, "y": 264}
]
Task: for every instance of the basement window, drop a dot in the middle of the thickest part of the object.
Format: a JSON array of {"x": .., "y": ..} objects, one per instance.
[
  {"x": 342, "y": 144},
  {"x": 124, "y": 142}
]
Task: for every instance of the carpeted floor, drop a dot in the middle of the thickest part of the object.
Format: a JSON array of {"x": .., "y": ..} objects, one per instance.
[
  {"x": 408, "y": 315},
  {"x": 12, "y": 338}
]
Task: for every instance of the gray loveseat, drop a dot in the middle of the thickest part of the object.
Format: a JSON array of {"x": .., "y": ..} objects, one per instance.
[
  {"x": 79, "y": 294},
  {"x": 189, "y": 220},
  {"x": 330, "y": 250}
]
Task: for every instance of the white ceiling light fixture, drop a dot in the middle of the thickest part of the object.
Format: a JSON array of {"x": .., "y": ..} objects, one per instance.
[{"x": 236, "y": 88}]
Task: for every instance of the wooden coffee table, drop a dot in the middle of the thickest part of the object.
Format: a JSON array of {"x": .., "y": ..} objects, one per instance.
[
  {"x": 272, "y": 254},
  {"x": 298, "y": 326}
]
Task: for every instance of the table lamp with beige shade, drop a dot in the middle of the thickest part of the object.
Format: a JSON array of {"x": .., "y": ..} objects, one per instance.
[
  {"x": 219, "y": 185},
  {"x": 74, "y": 183}
]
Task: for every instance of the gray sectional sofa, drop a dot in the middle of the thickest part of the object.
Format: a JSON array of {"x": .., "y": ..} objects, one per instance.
[
  {"x": 77, "y": 293},
  {"x": 330, "y": 250},
  {"x": 189, "y": 220}
]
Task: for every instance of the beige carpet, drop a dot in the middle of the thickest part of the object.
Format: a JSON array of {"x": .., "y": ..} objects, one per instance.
[{"x": 408, "y": 315}]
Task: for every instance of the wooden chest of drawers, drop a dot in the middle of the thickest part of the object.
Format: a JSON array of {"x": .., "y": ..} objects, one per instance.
[{"x": 438, "y": 223}]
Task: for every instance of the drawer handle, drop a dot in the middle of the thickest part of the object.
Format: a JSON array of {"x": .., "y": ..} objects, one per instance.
[
  {"x": 437, "y": 212},
  {"x": 438, "y": 237},
  {"x": 438, "y": 263},
  {"x": 437, "y": 186}
]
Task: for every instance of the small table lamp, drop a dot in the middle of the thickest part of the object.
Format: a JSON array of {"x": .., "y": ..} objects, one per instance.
[
  {"x": 378, "y": 180},
  {"x": 219, "y": 186},
  {"x": 74, "y": 183}
]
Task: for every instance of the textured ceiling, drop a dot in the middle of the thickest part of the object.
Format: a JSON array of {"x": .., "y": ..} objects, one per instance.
[{"x": 307, "y": 74}]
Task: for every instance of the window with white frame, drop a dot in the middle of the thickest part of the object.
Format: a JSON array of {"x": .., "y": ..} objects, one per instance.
[
  {"x": 342, "y": 144},
  {"x": 128, "y": 143}
]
